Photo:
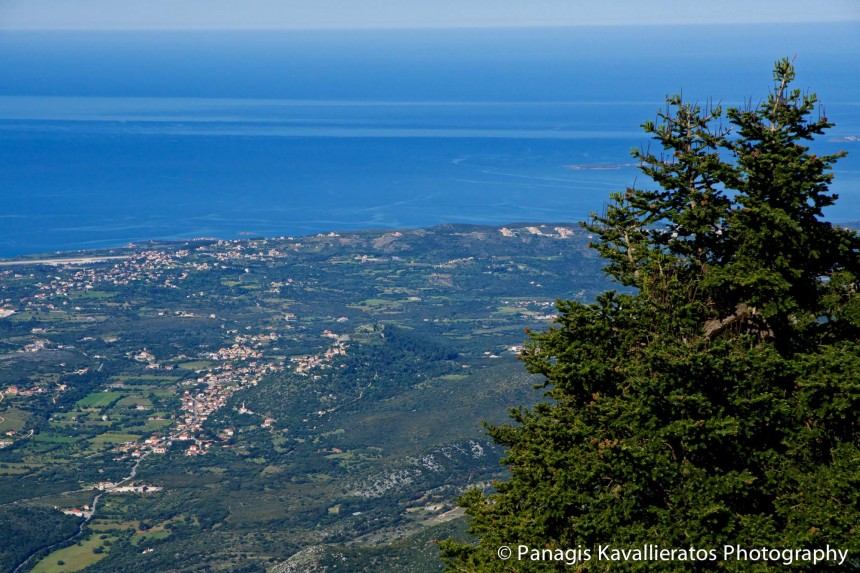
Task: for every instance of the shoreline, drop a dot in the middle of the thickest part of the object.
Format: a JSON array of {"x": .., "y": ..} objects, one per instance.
[
  {"x": 63, "y": 261},
  {"x": 131, "y": 248},
  {"x": 80, "y": 256}
]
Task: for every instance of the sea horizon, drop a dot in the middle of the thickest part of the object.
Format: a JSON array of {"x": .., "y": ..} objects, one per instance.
[{"x": 110, "y": 138}]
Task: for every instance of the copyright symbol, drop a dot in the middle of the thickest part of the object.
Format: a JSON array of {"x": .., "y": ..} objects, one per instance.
[{"x": 504, "y": 552}]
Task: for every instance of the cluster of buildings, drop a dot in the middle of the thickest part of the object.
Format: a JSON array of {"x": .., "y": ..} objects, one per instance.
[
  {"x": 156, "y": 267},
  {"x": 60, "y": 290},
  {"x": 239, "y": 365},
  {"x": 535, "y": 309},
  {"x": 86, "y": 511},
  {"x": 15, "y": 390},
  {"x": 260, "y": 250},
  {"x": 540, "y": 231},
  {"x": 303, "y": 364},
  {"x": 218, "y": 385},
  {"x": 116, "y": 488},
  {"x": 235, "y": 352}
]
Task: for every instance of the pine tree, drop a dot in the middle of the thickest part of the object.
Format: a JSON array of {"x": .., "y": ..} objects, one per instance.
[{"x": 714, "y": 401}]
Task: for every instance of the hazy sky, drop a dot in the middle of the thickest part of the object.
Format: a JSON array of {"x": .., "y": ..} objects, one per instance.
[{"x": 309, "y": 14}]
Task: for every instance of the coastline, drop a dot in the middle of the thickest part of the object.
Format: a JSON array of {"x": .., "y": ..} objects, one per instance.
[
  {"x": 63, "y": 260},
  {"x": 82, "y": 257}
]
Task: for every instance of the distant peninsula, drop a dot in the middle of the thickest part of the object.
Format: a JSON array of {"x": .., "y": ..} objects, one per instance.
[{"x": 599, "y": 166}]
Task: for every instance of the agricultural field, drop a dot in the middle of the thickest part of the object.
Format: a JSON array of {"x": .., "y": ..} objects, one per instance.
[
  {"x": 100, "y": 399},
  {"x": 13, "y": 420},
  {"x": 75, "y": 557}
]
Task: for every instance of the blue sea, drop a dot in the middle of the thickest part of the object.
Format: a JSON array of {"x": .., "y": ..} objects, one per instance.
[{"x": 112, "y": 138}]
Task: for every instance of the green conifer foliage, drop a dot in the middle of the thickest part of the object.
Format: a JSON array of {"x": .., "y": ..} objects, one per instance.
[{"x": 715, "y": 401}]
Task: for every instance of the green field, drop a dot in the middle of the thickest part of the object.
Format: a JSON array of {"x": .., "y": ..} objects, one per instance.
[
  {"x": 96, "y": 294},
  {"x": 195, "y": 365},
  {"x": 151, "y": 534},
  {"x": 111, "y": 525},
  {"x": 69, "y": 499},
  {"x": 134, "y": 400},
  {"x": 49, "y": 316},
  {"x": 54, "y": 438},
  {"x": 12, "y": 470},
  {"x": 147, "y": 377},
  {"x": 74, "y": 558},
  {"x": 114, "y": 438},
  {"x": 377, "y": 304},
  {"x": 99, "y": 399},
  {"x": 12, "y": 419}
]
